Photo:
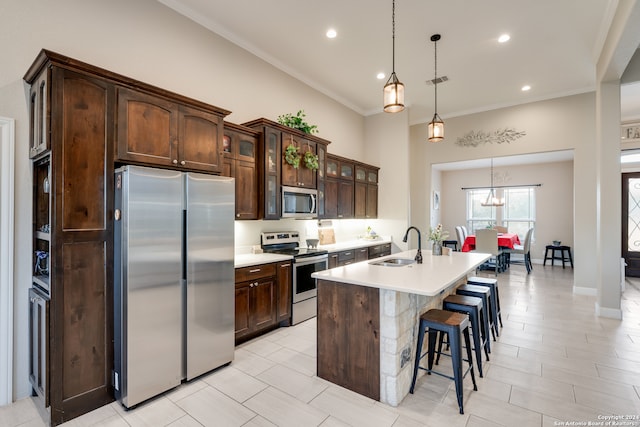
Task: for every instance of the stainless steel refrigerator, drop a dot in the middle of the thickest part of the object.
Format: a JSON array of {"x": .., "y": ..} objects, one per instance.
[{"x": 174, "y": 279}]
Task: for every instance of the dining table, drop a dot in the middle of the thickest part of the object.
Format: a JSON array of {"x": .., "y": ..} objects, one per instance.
[{"x": 505, "y": 240}]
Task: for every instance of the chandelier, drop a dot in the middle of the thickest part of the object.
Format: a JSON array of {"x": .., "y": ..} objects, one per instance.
[{"x": 492, "y": 198}]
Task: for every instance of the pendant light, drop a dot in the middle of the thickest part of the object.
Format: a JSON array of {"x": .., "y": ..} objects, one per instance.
[
  {"x": 492, "y": 199},
  {"x": 393, "y": 92},
  {"x": 436, "y": 126}
]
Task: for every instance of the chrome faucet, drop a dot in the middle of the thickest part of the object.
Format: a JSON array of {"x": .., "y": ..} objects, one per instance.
[{"x": 419, "y": 253}]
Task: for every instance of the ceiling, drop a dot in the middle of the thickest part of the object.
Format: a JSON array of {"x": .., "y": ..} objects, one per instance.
[{"x": 553, "y": 47}]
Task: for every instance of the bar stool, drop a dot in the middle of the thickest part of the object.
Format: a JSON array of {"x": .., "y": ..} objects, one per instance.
[
  {"x": 471, "y": 306},
  {"x": 555, "y": 248},
  {"x": 484, "y": 293},
  {"x": 437, "y": 321},
  {"x": 495, "y": 294},
  {"x": 453, "y": 244}
]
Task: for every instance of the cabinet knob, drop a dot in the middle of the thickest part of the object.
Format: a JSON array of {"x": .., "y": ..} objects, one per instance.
[
  {"x": 237, "y": 215},
  {"x": 183, "y": 163},
  {"x": 175, "y": 161}
]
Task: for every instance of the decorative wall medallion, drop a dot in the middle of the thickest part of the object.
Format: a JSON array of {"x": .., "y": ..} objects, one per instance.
[{"x": 500, "y": 136}]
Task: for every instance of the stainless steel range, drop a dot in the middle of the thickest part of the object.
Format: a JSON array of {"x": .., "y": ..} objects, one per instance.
[{"x": 305, "y": 262}]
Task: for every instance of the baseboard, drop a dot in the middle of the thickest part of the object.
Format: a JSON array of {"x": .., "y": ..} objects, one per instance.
[
  {"x": 611, "y": 313},
  {"x": 581, "y": 290}
]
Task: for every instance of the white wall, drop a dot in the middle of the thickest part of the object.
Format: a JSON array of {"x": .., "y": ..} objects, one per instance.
[
  {"x": 387, "y": 146},
  {"x": 557, "y": 124},
  {"x": 147, "y": 41},
  {"x": 554, "y": 199}
]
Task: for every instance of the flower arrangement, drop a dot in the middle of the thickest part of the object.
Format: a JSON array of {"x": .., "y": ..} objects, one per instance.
[{"x": 438, "y": 234}]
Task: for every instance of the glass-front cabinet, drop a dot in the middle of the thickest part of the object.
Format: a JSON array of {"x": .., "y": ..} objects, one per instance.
[
  {"x": 240, "y": 147},
  {"x": 276, "y": 171}
]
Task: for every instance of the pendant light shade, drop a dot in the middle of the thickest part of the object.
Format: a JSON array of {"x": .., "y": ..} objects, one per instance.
[
  {"x": 492, "y": 198},
  {"x": 435, "y": 129},
  {"x": 393, "y": 92}
]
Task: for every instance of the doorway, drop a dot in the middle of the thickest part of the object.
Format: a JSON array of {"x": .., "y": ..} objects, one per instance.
[{"x": 631, "y": 223}]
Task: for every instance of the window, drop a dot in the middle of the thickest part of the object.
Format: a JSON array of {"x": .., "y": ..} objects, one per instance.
[
  {"x": 479, "y": 216},
  {"x": 518, "y": 213}
]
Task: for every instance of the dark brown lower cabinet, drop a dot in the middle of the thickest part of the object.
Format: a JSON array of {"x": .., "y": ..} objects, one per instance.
[
  {"x": 257, "y": 296},
  {"x": 285, "y": 291}
]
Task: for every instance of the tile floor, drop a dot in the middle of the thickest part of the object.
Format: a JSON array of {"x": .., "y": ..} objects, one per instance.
[{"x": 555, "y": 362}]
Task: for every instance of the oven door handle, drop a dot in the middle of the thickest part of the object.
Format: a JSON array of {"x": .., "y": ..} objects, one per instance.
[{"x": 310, "y": 259}]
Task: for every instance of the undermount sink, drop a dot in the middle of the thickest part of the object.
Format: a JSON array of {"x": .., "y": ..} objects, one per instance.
[{"x": 394, "y": 262}]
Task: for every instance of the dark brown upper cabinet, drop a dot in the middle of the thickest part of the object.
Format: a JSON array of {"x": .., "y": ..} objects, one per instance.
[
  {"x": 154, "y": 130},
  {"x": 240, "y": 151}
]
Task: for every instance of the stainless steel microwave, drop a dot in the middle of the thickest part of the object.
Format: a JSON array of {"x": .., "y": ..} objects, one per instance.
[{"x": 299, "y": 202}]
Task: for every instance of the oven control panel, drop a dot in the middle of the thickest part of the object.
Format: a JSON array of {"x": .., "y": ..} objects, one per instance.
[{"x": 279, "y": 237}]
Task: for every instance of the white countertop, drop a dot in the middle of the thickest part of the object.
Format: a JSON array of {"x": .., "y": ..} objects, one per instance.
[
  {"x": 249, "y": 259},
  {"x": 246, "y": 260},
  {"x": 435, "y": 273}
]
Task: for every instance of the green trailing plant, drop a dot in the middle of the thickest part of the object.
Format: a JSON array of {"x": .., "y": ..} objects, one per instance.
[
  {"x": 311, "y": 160},
  {"x": 297, "y": 122},
  {"x": 292, "y": 155}
]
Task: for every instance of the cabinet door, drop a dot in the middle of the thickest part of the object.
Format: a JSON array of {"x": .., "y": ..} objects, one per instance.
[
  {"x": 372, "y": 201},
  {"x": 243, "y": 310},
  {"x": 333, "y": 260},
  {"x": 272, "y": 173},
  {"x": 239, "y": 152},
  {"x": 360, "y": 200},
  {"x": 147, "y": 127},
  {"x": 306, "y": 176},
  {"x": 289, "y": 173},
  {"x": 285, "y": 290},
  {"x": 263, "y": 303},
  {"x": 200, "y": 134},
  {"x": 81, "y": 244},
  {"x": 362, "y": 254},
  {"x": 228, "y": 158},
  {"x": 246, "y": 190},
  {"x": 39, "y": 115},
  {"x": 332, "y": 167},
  {"x": 345, "y": 199},
  {"x": 331, "y": 198},
  {"x": 39, "y": 344}
]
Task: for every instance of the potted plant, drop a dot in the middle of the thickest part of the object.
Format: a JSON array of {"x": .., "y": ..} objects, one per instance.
[
  {"x": 437, "y": 235},
  {"x": 297, "y": 122}
]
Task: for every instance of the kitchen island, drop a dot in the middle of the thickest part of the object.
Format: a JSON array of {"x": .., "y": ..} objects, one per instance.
[{"x": 368, "y": 315}]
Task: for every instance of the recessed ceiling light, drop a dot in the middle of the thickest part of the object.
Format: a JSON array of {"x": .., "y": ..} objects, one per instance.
[
  {"x": 504, "y": 38},
  {"x": 526, "y": 88},
  {"x": 331, "y": 33},
  {"x": 380, "y": 76}
]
